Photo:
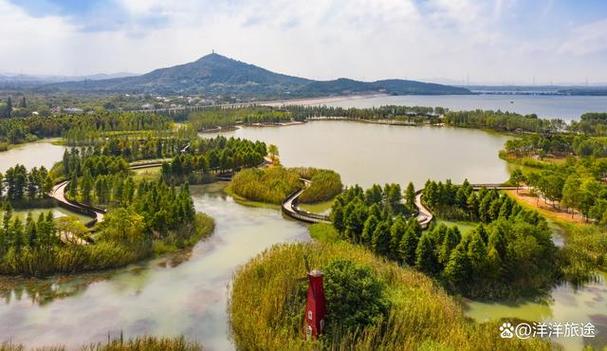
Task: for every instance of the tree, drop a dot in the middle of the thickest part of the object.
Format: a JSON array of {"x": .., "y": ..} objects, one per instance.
[
  {"x": 273, "y": 151},
  {"x": 477, "y": 254},
  {"x": 355, "y": 296},
  {"x": 381, "y": 238},
  {"x": 368, "y": 229},
  {"x": 408, "y": 245},
  {"x": 517, "y": 178},
  {"x": 450, "y": 241},
  {"x": 86, "y": 186},
  {"x": 8, "y": 108},
  {"x": 425, "y": 255},
  {"x": 123, "y": 225},
  {"x": 572, "y": 196},
  {"x": 397, "y": 231},
  {"x": 70, "y": 229},
  {"x": 410, "y": 198},
  {"x": 458, "y": 270}
]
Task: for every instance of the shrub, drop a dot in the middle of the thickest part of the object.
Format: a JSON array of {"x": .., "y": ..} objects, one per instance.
[
  {"x": 355, "y": 297},
  {"x": 270, "y": 185}
]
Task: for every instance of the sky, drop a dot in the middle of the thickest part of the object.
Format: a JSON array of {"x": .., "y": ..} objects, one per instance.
[{"x": 450, "y": 41}]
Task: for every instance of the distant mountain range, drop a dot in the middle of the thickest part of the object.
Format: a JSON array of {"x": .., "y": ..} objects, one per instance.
[
  {"x": 215, "y": 74},
  {"x": 8, "y": 80}
]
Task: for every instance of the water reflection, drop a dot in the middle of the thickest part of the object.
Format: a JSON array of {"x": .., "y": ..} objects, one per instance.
[{"x": 185, "y": 294}]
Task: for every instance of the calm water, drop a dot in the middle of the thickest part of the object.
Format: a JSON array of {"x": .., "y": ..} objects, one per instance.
[
  {"x": 563, "y": 107},
  {"x": 369, "y": 153},
  {"x": 187, "y": 295},
  {"x": 41, "y": 153},
  {"x": 160, "y": 297}
]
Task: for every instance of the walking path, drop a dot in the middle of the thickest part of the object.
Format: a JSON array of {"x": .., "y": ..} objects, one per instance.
[{"x": 424, "y": 215}]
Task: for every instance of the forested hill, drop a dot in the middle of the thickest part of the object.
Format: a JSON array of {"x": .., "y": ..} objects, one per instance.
[{"x": 219, "y": 75}]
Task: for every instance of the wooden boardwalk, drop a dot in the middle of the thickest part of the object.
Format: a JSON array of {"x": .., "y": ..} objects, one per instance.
[{"x": 424, "y": 215}]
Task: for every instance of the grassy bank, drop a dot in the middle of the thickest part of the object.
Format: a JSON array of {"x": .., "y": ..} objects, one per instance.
[
  {"x": 246, "y": 202},
  {"x": 144, "y": 343},
  {"x": 421, "y": 315},
  {"x": 105, "y": 253},
  {"x": 203, "y": 227}
]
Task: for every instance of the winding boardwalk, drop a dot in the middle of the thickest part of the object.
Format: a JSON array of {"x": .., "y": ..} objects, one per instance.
[
  {"x": 96, "y": 213},
  {"x": 424, "y": 215},
  {"x": 289, "y": 207}
]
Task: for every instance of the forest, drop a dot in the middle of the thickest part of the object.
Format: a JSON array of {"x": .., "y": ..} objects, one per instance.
[
  {"x": 213, "y": 156},
  {"x": 482, "y": 264},
  {"x": 20, "y": 130},
  {"x": 20, "y": 186},
  {"x": 143, "y": 217}
]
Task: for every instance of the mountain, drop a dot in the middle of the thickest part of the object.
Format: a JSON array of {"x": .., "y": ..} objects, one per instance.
[
  {"x": 25, "y": 81},
  {"x": 215, "y": 74}
]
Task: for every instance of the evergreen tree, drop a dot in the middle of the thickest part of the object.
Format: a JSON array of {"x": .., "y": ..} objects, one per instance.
[
  {"x": 397, "y": 231},
  {"x": 425, "y": 255},
  {"x": 381, "y": 238},
  {"x": 368, "y": 229},
  {"x": 458, "y": 272},
  {"x": 410, "y": 198},
  {"x": 408, "y": 245},
  {"x": 450, "y": 241}
]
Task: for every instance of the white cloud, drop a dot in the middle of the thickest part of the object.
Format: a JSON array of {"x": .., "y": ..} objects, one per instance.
[
  {"x": 586, "y": 39},
  {"x": 363, "y": 39}
]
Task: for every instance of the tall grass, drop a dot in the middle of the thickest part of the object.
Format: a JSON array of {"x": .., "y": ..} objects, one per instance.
[
  {"x": 143, "y": 343},
  {"x": 325, "y": 185},
  {"x": 270, "y": 185},
  {"x": 266, "y": 308}
]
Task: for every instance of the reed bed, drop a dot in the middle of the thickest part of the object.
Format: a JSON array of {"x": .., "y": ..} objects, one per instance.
[{"x": 266, "y": 307}]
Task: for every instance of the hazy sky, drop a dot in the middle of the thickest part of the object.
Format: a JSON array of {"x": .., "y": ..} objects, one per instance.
[{"x": 499, "y": 41}]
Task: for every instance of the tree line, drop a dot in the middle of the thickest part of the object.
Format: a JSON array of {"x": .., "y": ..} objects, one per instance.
[
  {"x": 301, "y": 112},
  {"x": 19, "y": 130},
  {"x": 483, "y": 263},
  {"x": 216, "y": 155},
  {"x": 18, "y": 184},
  {"x": 502, "y": 121},
  {"x": 222, "y": 117}
]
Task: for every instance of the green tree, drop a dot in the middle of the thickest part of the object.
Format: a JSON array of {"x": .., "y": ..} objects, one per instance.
[
  {"x": 458, "y": 270},
  {"x": 355, "y": 296},
  {"x": 410, "y": 198},
  {"x": 426, "y": 259},
  {"x": 517, "y": 178},
  {"x": 381, "y": 238}
]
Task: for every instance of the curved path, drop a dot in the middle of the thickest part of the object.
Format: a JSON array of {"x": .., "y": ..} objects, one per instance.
[
  {"x": 290, "y": 208},
  {"x": 58, "y": 193},
  {"x": 424, "y": 215}
]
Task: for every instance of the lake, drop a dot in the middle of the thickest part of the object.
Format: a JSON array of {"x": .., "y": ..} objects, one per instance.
[
  {"x": 365, "y": 153},
  {"x": 36, "y": 154},
  {"x": 546, "y": 106},
  {"x": 187, "y": 294}
]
